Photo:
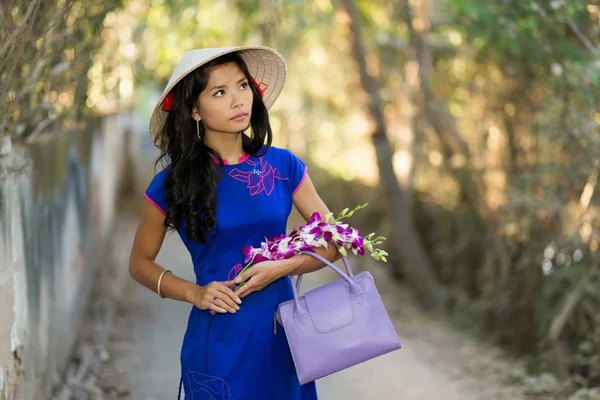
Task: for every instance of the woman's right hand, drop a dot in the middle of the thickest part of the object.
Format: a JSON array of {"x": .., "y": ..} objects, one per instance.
[{"x": 216, "y": 297}]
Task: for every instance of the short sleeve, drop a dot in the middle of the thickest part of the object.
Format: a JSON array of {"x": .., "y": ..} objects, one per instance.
[
  {"x": 155, "y": 193},
  {"x": 298, "y": 172}
]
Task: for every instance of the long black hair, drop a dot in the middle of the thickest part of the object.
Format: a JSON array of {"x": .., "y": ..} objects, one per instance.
[{"x": 192, "y": 176}]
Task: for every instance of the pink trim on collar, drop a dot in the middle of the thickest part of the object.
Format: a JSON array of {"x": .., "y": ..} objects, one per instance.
[{"x": 240, "y": 160}]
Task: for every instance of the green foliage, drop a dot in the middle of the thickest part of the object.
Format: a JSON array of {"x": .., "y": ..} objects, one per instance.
[
  {"x": 536, "y": 31},
  {"x": 46, "y": 52},
  {"x": 536, "y": 65}
]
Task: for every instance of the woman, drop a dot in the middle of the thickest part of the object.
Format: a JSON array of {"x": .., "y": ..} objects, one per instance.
[{"x": 223, "y": 188}]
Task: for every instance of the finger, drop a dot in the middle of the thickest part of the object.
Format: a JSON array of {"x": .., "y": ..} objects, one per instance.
[
  {"x": 222, "y": 300},
  {"x": 229, "y": 292},
  {"x": 252, "y": 290},
  {"x": 216, "y": 308},
  {"x": 241, "y": 291},
  {"x": 248, "y": 286},
  {"x": 244, "y": 276},
  {"x": 229, "y": 284}
]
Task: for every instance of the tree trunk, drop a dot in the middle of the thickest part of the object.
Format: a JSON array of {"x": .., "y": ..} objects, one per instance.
[
  {"x": 416, "y": 16},
  {"x": 473, "y": 229},
  {"x": 416, "y": 79},
  {"x": 415, "y": 262},
  {"x": 559, "y": 349}
]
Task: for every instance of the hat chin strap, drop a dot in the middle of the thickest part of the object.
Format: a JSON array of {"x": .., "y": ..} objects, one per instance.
[{"x": 261, "y": 91}]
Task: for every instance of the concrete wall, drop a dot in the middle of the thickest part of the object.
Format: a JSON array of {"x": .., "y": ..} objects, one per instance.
[{"x": 57, "y": 205}]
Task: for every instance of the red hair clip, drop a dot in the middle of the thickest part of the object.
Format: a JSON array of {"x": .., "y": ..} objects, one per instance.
[
  {"x": 261, "y": 91},
  {"x": 167, "y": 103}
]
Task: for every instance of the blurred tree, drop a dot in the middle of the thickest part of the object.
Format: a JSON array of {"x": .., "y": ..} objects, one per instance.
[
  {"x": 415, "y": 263},
  {"x": 531, "y": 68},
  {"x": 45, "y": 54}
]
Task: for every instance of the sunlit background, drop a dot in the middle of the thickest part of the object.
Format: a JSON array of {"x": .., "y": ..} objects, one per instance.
[{"x": 486, "y": 113}]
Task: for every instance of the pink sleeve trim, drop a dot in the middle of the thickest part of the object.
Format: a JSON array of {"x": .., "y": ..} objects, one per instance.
[
  {"x": 302, "y": 180},
  {"x": 155, "y": 205}
]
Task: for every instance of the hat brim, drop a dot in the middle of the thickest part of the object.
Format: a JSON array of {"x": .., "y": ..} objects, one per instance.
[{"x": 265, "y": 65}]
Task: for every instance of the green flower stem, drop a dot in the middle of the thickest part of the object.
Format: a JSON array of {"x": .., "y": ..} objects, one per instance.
[{"x": 241, "y": 272}]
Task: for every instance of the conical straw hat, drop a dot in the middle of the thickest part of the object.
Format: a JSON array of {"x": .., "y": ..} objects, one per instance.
[{"x": 266, "y": 66}]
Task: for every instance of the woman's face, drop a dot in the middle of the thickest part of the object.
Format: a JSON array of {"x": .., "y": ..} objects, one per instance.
[{"x": 225, "y": 105}]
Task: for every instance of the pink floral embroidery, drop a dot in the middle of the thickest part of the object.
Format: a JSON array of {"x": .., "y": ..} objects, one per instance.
[
  {"x": 234, "y": 272},
  {"x": 261, "y": 178}
]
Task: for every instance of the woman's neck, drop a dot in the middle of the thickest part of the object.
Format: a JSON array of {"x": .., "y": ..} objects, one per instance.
[{"x": 227, "y": 145}]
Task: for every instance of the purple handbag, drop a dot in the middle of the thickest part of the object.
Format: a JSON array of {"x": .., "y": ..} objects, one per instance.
[{"x": 336, "y": 326}]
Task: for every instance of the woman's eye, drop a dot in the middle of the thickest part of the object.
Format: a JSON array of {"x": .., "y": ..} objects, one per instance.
[
  {"x": 244, "y": 85},
  {"x": 219, "y": 93}
]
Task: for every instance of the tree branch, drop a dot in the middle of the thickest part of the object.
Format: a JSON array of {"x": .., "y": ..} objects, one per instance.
[
  {"x": 586, "y": 42},
  {"x": 33, "y": 6}
]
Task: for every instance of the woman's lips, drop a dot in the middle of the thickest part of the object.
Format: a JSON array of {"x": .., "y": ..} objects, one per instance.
[{"x": 240, "y": 117}]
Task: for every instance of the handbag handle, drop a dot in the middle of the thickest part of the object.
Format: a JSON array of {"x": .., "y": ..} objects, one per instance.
[
  {"x": 344, "y": 259},
  {"x": 355, "y": 288}
]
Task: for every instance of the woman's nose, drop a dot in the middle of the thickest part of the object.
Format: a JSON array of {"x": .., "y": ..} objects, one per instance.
[{"x": 237, "y": 100}]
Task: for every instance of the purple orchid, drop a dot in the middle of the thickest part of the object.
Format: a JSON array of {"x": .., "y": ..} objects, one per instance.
[
  {"x": 314, "y": 239},
  {"x": 317, "y": 232},
  {"x": 286, "y": 248},
  {"x": 262, "y": 257},
  {"x": 276, "y": 238},
  {"x": 249, "y": 252},
  {"x": 265, "y": 252},
  {"x": 315, "y": 217},
  {"x": 315, "y": 222},
  {"x": 294, "y": 234},
  {"x": 338, "y": 234},
  {"x": 353, "y": 237},
  {"x": 262, "y": 253}
]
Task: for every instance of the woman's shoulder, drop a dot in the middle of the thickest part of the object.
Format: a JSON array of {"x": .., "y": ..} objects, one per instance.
[
  {"x": 157, "y": 180},
  {"x": 160, "y": 173},
  {"x": 291, "y": 166},
  {"x": 155, "y": 192}
]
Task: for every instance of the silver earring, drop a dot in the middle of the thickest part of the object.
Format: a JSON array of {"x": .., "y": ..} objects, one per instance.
[{"x": 198, "y": 129}]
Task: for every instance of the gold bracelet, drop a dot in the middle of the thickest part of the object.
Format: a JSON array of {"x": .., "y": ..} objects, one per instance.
[{"x": 160, "y": 281}]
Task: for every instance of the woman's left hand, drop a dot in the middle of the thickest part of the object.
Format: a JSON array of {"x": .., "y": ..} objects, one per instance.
[{"x": 259, "y": 276}]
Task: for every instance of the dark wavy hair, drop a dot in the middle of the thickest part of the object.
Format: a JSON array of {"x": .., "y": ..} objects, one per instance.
[{"x": 192, "y": 176}]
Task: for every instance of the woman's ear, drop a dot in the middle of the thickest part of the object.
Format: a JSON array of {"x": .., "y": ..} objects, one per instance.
[{"x": 195, "y": 112}]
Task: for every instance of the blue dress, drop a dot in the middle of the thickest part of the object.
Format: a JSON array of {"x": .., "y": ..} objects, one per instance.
[{"x": 238, "y": 356}]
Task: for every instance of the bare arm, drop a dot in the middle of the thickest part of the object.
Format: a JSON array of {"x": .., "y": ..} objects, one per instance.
[
  {"x": 149, "y": 238},
  {"x": 308, "y": 201}
]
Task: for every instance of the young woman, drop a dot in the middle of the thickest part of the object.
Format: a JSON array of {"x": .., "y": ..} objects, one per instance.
[{"x": 224, "y": 186}]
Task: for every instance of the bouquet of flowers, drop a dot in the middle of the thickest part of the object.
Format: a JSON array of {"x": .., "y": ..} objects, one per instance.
[{"x": 317, "y": 232}]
